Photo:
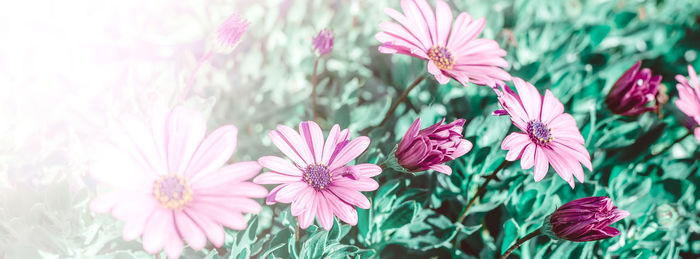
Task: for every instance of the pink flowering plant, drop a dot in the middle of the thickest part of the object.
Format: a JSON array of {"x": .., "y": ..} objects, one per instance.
[{"x": 350, "y": 129}]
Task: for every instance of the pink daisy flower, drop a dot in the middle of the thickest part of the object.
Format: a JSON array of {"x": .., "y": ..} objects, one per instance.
[
  {"x": 549, "y": 135},
  {"x": 318, "y": 183},
  {"x": 689, "y": 98},
  {"x": 457, "y": 54},
  {"x": 170, "y": 183}
]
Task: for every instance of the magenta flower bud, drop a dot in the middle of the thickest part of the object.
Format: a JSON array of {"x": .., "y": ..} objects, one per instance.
[
  {"x": 585, "y": 219},
  {"x": 431, "y": 147},
  {"x": 633, "y": 91},
  {"x": 323, "y": 42},
  {"x": 230, "y": 32}
]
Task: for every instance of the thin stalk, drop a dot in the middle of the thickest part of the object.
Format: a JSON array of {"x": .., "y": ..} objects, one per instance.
[
  {"x": 401, "y": 98},
  {"x": 669, "y": 146},
  {"x": 190, "y": 81},
  {"x": 520, "y": 242},
  {"x": 313, "y": 90},
  {"x": 480, "y": 191}
]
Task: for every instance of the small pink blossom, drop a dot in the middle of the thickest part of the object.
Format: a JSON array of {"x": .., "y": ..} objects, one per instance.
[
  {"x": 549, "y": 136},
  {"x": 425, "y": 34},
  {"x": 230, "y": 31},
  {"x": 323, "y": 42},
  {"x": 170, "y": 183},
  {"x": 689, "y": 98},
  {"x": 318, "y": 182},
  {"x": 585, "y": 219}
]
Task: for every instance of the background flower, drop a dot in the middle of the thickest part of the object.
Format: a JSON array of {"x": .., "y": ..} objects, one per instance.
[
  {"x": 170, "y": 184},
  {"x": 549, "y": 136},
  {"x": 457, "y": 54},
  {"x": 585, "y": 219},
  {"x": 633, "y": 91},
  {"x": 689, "y": 97},
  {"x": 319, "y": 183},
  {"x": 429, "y": 148}
]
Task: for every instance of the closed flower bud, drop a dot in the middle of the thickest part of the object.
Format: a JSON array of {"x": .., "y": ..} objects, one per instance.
[
  {"x": 420, "y": 150},
  {"x": 323, "y": 42},
  {"x": 633, "y": 92},
  {"x": 585, "y": 219}
]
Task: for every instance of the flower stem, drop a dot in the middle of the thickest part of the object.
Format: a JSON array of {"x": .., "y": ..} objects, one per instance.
[
  {"x": 520, "y": 242},
  {"x": 480, "y": 191},
  {"x": 190, "y": 81},
  {"x": 401, "y": 98},
  {"x": 649, "y": 156},
  {"x": 313, "y": 90}
]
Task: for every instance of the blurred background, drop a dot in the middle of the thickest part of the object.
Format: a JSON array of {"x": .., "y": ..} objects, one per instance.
[{"x": 69, "y": 69}]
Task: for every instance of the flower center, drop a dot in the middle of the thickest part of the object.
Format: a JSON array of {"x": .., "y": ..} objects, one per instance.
[
  {"x": 442, "y": 57},
  {"x": 172, "y": 191},
  {"x": 539, "y": 132},
  {"x": 318, "y": 176}
]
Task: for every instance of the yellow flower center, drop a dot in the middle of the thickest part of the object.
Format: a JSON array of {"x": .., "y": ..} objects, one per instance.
[
  {"x": 172, "y": 191},
  {"x": 442, "y": 57}
]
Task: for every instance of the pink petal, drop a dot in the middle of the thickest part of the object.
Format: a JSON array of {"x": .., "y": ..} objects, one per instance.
[
  {"x": 190, "y": 231},
  {"x": 409, "y": 136},
  {"x": 367, "y": 170},
  {"x": 323, "y": 212},
  {"x": 435, "y": 71},
  {"x": 531, "y": 99},
  {"x": 303, "y": 201},
  {"x": 242, "y": 189},
  {"x": 350, "y": 196},
  {"x": 427, "y": 13},
  {"x": 345, "y": 212},
  {"x": 307, "y": 216},
  {"x": 528, "y": 158},
  {"x": 135, "y": 226},
  {"x": 331, "y": 143},
  {"x": 362, "y": 184},
  {"x": 551, "y": 107},
  {"x": 214, "y": 151},
  {"x": 312, "y": 134},
  {"x": 226, "y": 217},
  {"x": 103, "y": 203},
  {"x": 173, "y": 247},
  {"x": 400, "y": 35},
  {"x": 186, "y": 129},
  {"x": 290, "y": 192},
  {"x": 279, "y": 165},
  {"x": 271, "y": 198},
  {"x": 350, "y": 152},
  {"x": 515, "y": 141},
  {"x": 275, "y": 178},
  {"x": 157, "y": 229},
  {"x": 213, "y": 230},
  {"x": 541, "y": 164},
  {"x": 134, "y": 205},
  {"x": 443, "y": 15},
  {"x": 287, "y": 146},
  {"x": 463, "y": 147},
  {"x": 233, "y": 173},
  {"x": 297, "y": 143},
  {"x": 442, "y": 169},
  {"x": 139, "y": 140},
  {"x": 412, "y": 27}
]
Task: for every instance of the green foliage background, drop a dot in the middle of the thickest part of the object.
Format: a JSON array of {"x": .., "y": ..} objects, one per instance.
[{"x": 577, "y": 49}]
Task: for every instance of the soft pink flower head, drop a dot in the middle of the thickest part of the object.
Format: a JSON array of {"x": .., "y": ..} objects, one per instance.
[
  {"x": 230, "y": 31},
  {"x": 689, "y": 98},
  {"x": 170, "y": 182},
  {"x": 585, "y": 219},
  {"x": 323, "y": 42},
  {"x": 431, "y": 147},
  {"x": 318, "y": 182},
  {"x": 549, "y": 136},
  {"x": 425, "y": 34}
]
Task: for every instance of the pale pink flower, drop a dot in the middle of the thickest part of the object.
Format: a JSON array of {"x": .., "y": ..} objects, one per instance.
[
  {"x": 549, "y": 135},
  {"x": 457, "y": 54},
  {"x": 318, "y": 183},
  {"x": 323, "y": 42},
  {"x": 689, "y": 98},
  {"x": 169, "y": 183},
  {"x": 230, "y": 31}
]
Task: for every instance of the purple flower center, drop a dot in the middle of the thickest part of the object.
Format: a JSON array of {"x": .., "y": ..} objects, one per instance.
[
  {"x": 172, "y": 191},
  {"x": 318, "y": 176},
  {"x": 442, "y": 57},
  {"x": 539, "y": 132}
]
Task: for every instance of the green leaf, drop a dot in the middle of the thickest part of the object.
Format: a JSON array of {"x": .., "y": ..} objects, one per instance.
[
  {"x": 511, "y": 231},
  {"x": 400, "y": 216}
]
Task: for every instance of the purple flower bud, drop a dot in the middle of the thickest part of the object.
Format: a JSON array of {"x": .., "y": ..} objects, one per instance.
[
  {"x": 585, "y": 219},
  {"x": 431, "y": 147},
  {"x": 633, "y": 91},
  {"x": 323, "y": 42},
  {"x": 230, "y": 31}
]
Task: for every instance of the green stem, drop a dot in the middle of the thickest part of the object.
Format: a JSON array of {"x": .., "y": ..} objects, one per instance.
[
  {"x": 520, "y": 242},
  {"x": 313, "y": 90},
  {"x": 401, "y": 98},
  {"x": 649, "y": 156},
  {"x": 480, "y": 191}
]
